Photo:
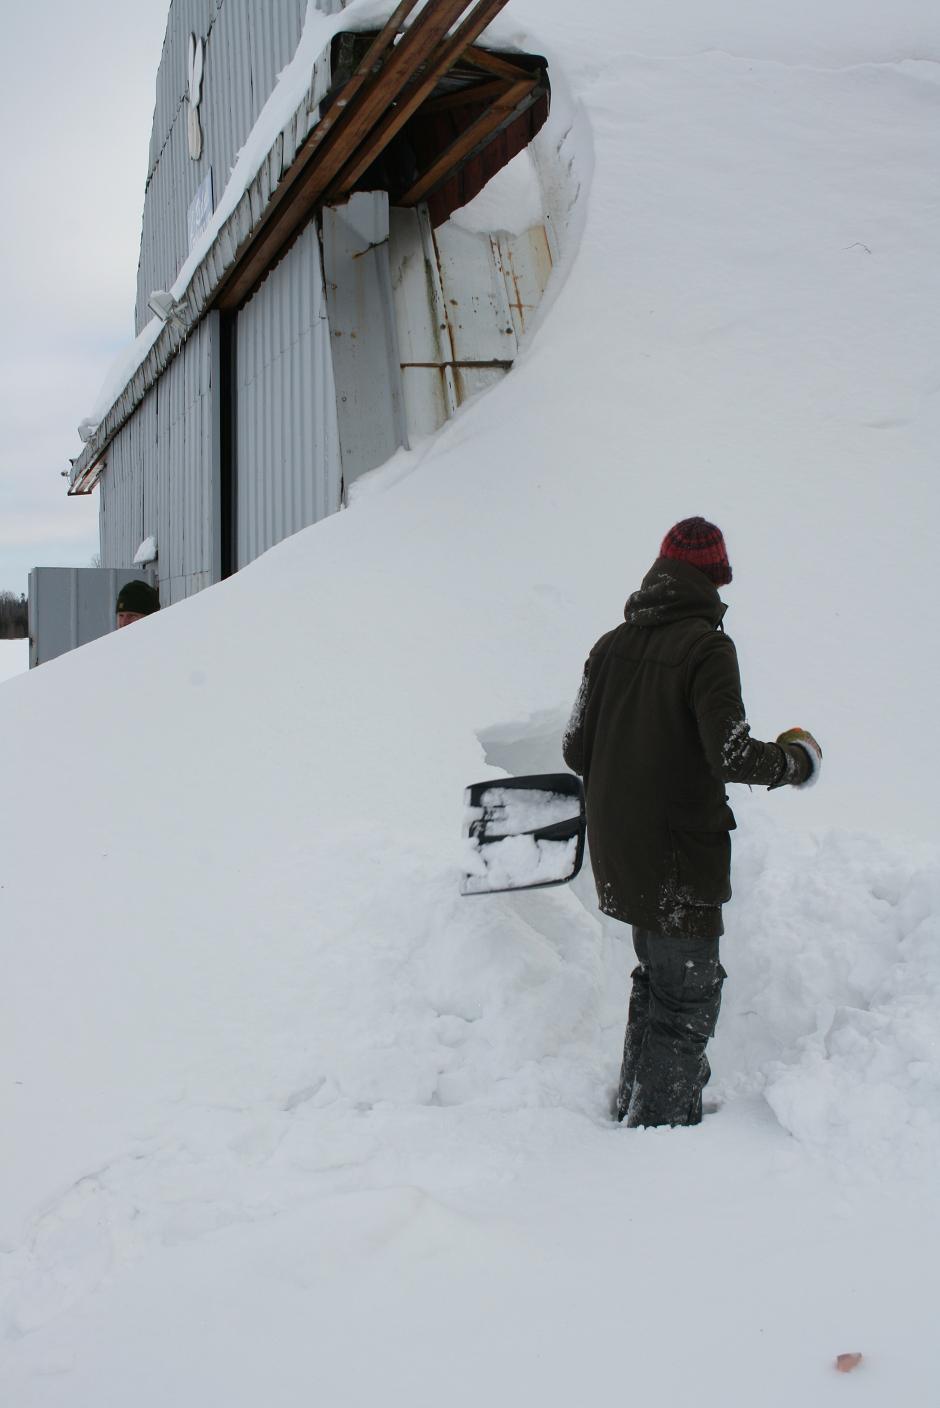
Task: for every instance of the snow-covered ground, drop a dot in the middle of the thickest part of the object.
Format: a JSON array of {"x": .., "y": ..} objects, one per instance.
[{"x": 287, "y": 1120}]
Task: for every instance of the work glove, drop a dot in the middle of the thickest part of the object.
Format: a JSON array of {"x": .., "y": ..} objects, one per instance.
[{"x": 804, "y": 757}]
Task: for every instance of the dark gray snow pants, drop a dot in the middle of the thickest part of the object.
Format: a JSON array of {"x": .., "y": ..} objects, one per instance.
[{"x": 673, "y": 1011}]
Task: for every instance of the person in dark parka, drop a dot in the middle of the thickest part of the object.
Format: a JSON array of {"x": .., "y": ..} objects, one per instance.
[{"x": 657, "y": 731}]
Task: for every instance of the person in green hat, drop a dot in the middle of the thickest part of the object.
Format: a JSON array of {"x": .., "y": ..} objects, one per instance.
[{"x": 135, "y": 599}]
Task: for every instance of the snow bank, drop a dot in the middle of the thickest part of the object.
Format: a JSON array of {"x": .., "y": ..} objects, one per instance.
[
  {"x": 511, "y": 201},
  {"x": 833, "y": 1006}
]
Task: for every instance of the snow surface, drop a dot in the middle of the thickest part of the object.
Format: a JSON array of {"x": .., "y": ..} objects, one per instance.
[
  {"x": 511, "y": 201},
  {"x": 288, "y": 1120}
]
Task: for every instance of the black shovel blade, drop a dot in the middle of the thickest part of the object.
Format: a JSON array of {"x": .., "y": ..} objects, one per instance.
[{"x": 523, "y": 833}]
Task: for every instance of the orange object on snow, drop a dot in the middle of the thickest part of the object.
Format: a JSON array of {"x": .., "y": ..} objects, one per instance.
[{"x": 845, "y": 1363}]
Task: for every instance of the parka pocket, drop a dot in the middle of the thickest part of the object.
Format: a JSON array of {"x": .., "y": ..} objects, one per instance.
[{"x": 701, "y": 853}]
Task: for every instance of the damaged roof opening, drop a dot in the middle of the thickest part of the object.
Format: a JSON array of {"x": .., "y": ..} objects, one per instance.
[
  {"x": 480, "y": 114},
  {"x": 421, "y": 112}
]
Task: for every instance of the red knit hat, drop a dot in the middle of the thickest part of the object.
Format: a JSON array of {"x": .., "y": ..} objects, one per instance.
[{"x": 700, "y": 543}]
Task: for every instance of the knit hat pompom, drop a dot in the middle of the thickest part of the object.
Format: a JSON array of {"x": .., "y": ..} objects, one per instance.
[
  {"x": 701, "y": 544},
  {"x": 139, "y": 597}
]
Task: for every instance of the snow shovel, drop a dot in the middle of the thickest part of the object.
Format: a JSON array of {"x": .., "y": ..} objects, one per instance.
[{"x": 523, "y": 833}]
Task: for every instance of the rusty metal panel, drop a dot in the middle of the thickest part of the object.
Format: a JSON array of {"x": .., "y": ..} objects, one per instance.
[
  {"x": 525, "y": 262},
  {"x": 424, "y": 340},
  {"x": 454, "y": 292},
  {"x": 363, "y": 338},
  {"x": 476, "y": 299},
  {"x": 462, "y": 301},
  {"x": 286, "y": 454},
  {"x": 472, "y": 379}
]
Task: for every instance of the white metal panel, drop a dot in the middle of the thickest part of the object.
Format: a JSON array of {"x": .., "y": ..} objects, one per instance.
[
  {"x": 475, "y": 296},
  {"x": 462, "y": 300},
  {"x": 526, "y": 263},
  {"x": 286, "y": 453},
  {"x": 422, "y": 330},
  {"x": 424, "y": 339},
  {"x": 366, "y": 361}
]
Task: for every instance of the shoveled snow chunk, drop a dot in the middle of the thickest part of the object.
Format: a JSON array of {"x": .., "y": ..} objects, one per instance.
[
  {"x": 514, "y": 810},
  {"x": 147, "y": 552},
  {"x": 517, "y": 861}
]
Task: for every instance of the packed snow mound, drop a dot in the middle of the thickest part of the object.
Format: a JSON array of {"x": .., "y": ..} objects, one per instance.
[{"x": 833, "y": 1005}]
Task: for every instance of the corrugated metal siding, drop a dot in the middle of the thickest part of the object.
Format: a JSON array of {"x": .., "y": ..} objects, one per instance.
[
  {"x": 123, "y": 488},
  {"x": 185, "y": 17},
  {"x": 287, "y": 461},
  {"x": 248, "y": 43},
  {"x": 159, "y": 478}
]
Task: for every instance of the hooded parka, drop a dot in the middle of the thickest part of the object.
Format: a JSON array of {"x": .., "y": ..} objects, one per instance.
[{"x": 657, "y": 731}]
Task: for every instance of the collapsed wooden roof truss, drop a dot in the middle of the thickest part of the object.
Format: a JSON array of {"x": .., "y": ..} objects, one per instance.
[{"x": 431, "y": 66}]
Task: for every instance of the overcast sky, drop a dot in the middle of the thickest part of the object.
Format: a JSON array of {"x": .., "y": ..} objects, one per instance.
[{"x": 77, "y": 85}]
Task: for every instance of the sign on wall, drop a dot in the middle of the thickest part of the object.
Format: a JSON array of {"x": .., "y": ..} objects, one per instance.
[
  {"x": 194, "y": 75},
  {"x": 200, "y": 209}
]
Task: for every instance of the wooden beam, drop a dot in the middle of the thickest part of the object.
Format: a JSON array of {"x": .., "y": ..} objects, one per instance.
[
  {"x": 394, "y": 120},
  {"x": 464, "y": 97},
  {"x": 346, "y": 122},
  {"x": 463, "y": 145},
  {"x": 415, "y": 49},
  {"x": 233, "y": 289},
  {"x": 494, "y": 63},
  {"x": 381, "y": 44}
]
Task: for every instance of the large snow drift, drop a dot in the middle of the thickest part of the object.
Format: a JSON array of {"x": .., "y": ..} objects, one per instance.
[{"x": 287, "y": 1119}]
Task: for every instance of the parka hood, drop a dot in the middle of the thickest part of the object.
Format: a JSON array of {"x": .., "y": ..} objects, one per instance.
[{"x": 673, "y": 591}]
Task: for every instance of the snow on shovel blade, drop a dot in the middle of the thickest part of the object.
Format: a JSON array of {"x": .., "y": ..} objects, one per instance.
[{"x": 523, "y": 833}]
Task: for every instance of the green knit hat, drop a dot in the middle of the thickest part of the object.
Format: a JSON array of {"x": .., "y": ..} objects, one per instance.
[{"x": 139, "y": 597}]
